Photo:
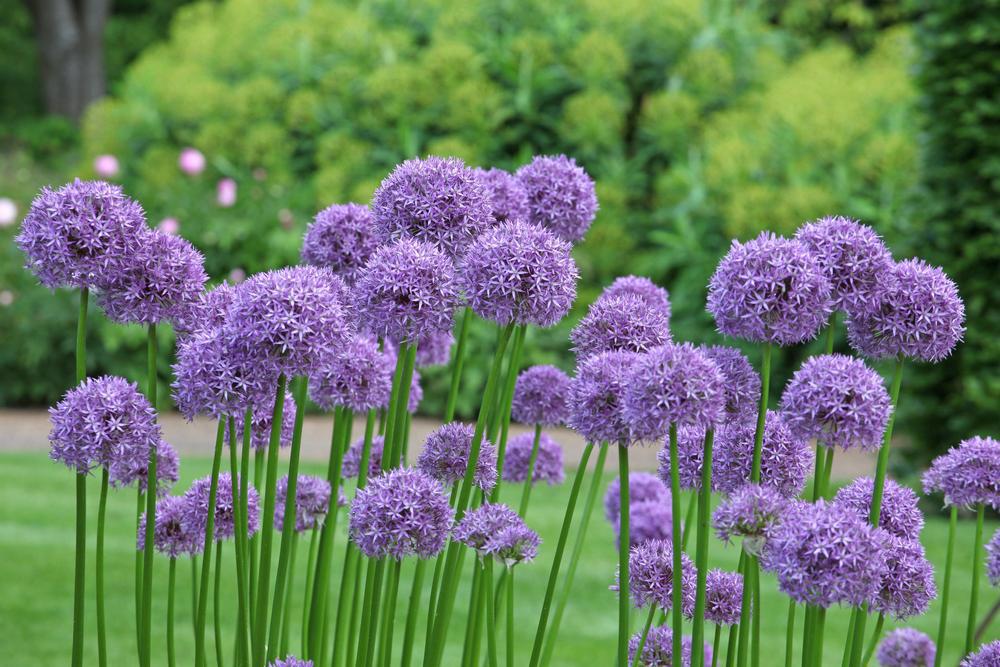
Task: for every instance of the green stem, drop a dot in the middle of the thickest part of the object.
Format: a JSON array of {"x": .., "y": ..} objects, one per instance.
[
  {"x": 259, "y": 456},
  {"x": 820, "y": 624},
  {"x": 701, "y": 551},
  {"x": 206, "y": 564},
  {"x": 286, "y": 607},
  {"x": 845, "y": 661},
  {"x": 977, "y": 572},
  {"x": 140, "y": 503},
  {"x": 102, "y": 506},
  {"x": 369, "y": 617},
  {"x": 745, "y": 611},
  {"x": 239, "y": 537},
  {"x": 81, "y": 337},
  {"x": 389, "y": 613},
  {"x": 245, "y": 542},
  {"x": 147, "y": 554},
  {"x": 946, "y": 586},
  {"x": 790, "y": 633},
  {"x": 491, "y": 622},
  {"x": 456, "y": 364},
  {"x": 827, "y": 472},
  {"x": 623, "y": 552},
  {"x": 217, "y": 605},
  {"x": 758, "y": 436},
  {"x": 171, "y": 586},
  {"x": 873, "y": 642},
  {"x": 194, "y": 593},
  {"x": 831, "y": 330},
  {"x": 307, "y": 597},
  {"x": 416, "y": 589},
  {"x": 80, "y": 565},
  {"x": 716, "y": 644},
  {"x": 473, "y": 634},
  {"x": 675, "y": 501},
  {"x": 818, "y": 470},
  {"x": 502, "y": 412},
  {"x": 436, "y": 580},
  {"x": 510, "y": 617},
  {"x": 355, "y": 619},
  {"x": 645, "y": 633},
  {"x": 734, "y": 631},
  {"x": 529, "y": 481},
  {"x": 808, "y": 624},
  {"x": 689, "y": 516}
]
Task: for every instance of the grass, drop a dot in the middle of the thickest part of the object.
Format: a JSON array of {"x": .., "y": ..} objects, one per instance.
[{"x": 36, "y": 570}]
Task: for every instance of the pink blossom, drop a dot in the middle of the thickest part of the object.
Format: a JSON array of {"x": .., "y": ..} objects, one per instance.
[
  {"x": 191, "y": 161},
  {"x": 169, "y": 226},
  {"x": 237, "y": 275},
  {"x": 225, "y": 192},
  {"x": 106, "y": 166},
  {"x": 8, "y": 212}
]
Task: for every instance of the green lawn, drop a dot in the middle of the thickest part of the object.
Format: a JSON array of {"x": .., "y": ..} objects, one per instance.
[{"x": 36, "y": 546}]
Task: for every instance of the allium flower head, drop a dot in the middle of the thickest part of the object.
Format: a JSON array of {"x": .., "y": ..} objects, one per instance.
[
  {"x": 437, "y": 199},
  {"x": 518, "y": 272},
  {"x": 690, "y": 454},
  {"x": 81, "y": 235},
  {"x": 445, "y": 456},
  {"x": 672, "y": 384},
  {"x": 651, "y": 576},
  {"x": 786, "y": 461},
  {"x": 993, "y": 559},
  {"x": 434, "y": 349},
  {"x": 988, "y": 655},
  {"x": 357, "y": 375},
  {"x": 968, "y": 474},
  {"x": 723, "y": 597},
  {"x": 312, "y": 500},
  {"x": 826, "y": 555},
  {"x": 514, "y": 544},
  {"x": 342, "y": 238},
  {"x": 403, "y": 512},
  {"x": 837, "y": 400},
  {"x": 642, "y": 487},
  {"x": 621, "y": 322},
  {"x": 208, "y": 311},
  {"x": 908, "y": 584},
  {"x": 595, "y": 402},
  {"x": 917, "y": 314},
  {"x": 751, "y": 512},
  {"x": 648, "y": 520},
  {"x": 507, "y": 196},
  {"x": 478, "y": 525},
  {"x": 127, "y": 471},
  {"x": 103, "y": 421},
  {"x": 351, "y": 465},
  {"x": 541, "y": 396},
  {"x": 906, "y": 647},
  {"x": 548, "y": 462},
  {"x": 769, "y": 290},
  {"x": 653, "y": 295},
  {"x": 291, "y": 661},
  {"x": 197, "y": 508},
  {"x": 853, "y": 258},
  {"x": 170, "y": 533},
  {"x": 740, "y": 381},
  {"x": 261, "y": 421},
  {"x": 659, "y": 648},
  {"x": 406, "y": 291},
  {"x": 899, "y": 514},
  {"x": 561, "y": 196}
]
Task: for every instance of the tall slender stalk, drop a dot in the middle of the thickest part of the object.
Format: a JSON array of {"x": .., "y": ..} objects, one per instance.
[
  {"x": 716, "y": 645},
  {"x": 411, "y": 614},
  {"x": 500, "y": 421},
  {"x": 80, "y": 565},
  {"x": 946, "y": 586},
  {"x": 140, "y": 503},
  {"x": 194, "y": 593},
  {"x": 529, "y": 481},
  {"x": 755, "y": 639},
  {"x": 286, "y": 606},
  {"x": 147, "y": 554},
  {"x": 245, "y": 543},
  {"x": 457, "y": 362},
  {"x": 217, "y": 605},
  {"x": 820, "y": 624},
  {"x": 307, "y": 596},
  {"x": 206, "y": 564},
  {"x": 790, "y": 633},
  {"x": 689, "y": 516},
  {"x": 675, "y": 501},
  {"x": 171, "y": 586},
  {"x": 102, "y": 506},
  {"x": 389, "y": 614},
  {"x": 491, "y": 621},
  {"x": 510, "y": 617},
  {"x": 623, "y": 549},
  {"x": 470, "y": 648},
  {"x": 701, "y": 550},
  {"x": 239, "y": 536},
  {"x": 873, "y": 642},
  {"x": 977, "y": 574},
  {"x": 645, "y": 633}
]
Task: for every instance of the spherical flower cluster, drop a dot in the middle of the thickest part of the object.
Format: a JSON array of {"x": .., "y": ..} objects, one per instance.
[
  {"x": 261, "y": 421},
  {"x": 81, "y": 235},
  {"x": 654, "y": 296},
  {"x": 437, "y": 200},
  {"x": 507, "y": 196},
  {"x": 312, "y": 500},
  {"x": 647, "y": 520},
  {"x": 988, "y": 655},
  {"x": 541, "y": 396},
  {"x": 785, "y": 460},
  {"x": 103, "y": 421},
  {"x": 968, "y": 474},
  {"x": 406, "y": 291},
  {"x": 908, "y": 584},
  {"x": 672, "y": 384},
  {"x": 906, "y": 647},
  {"x": 342, "y": 238},
  {"x": 690, "y": 454},
  {"x": 403, "y": 512},
  {"x": 191, "y": 161},
  {"x": 659, "y": 649},
  {"x": 197, "y": 497},
  {"x": 837, "y": 400},
  {"x": 519, "y": 273},
  {"x": 561, "y": 195},
  {"x": 993, "y": 559},
  {"x": 751, "y": 512},
  {"x": 642, "y": 486},
  {"x": 548, "y": 465},
  {"x": 208, "y": 311},
  {"x": 651, "y": 576},
  {"x": 740, "y": 381},
  {"x": 899, "y": 514},
  {"x": 622, "y": 322},
  {"x": 723, "y": 597},
  {"x": 826, "y": 555},
  {"x": 170, "y": 533},
  {"x": 918, "y": 314},
  {"x": 126, "y": 471},
  {"x": 445, "y": 456},
  {"x": 351, "y": 465},
  {"x": 514, "y": 544},
  {"x": 291, "y": 661},
  {"x": 853, "y": 258},
  {"x": 434, "y": 349},
  {"x": 769, "y": 290},
  {"x": 497, "y": 531},
  {"x": 595, "y": 401},
  {"x": 357, "y": 376}
]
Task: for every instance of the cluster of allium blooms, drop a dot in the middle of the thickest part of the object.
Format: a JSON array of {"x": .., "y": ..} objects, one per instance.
[
  {"x": 519, "y": 273},
  {"x": 507, "y": 196},
  {"x": 918, "y": 314},
  {"x": 723, "y": 597},
  {"x": 127, "y": 471},
  {"x": 403, "y": 512},
  {"x": 406, "y": 291},
  {"x": 445, "y": 456},
  {"x": 312, "y": 499},
  {"x": 291, "y": 661},
  {"x": 164, "y": 275},
  {"x": 853, "y": 258},
  {"x": 642, "y": 487},
  {"x": 741, "y": 381},
  {"x": 81, "y": 235},
  {"x": 899, "y": 514},
  {"x": 647, "y": 520},
  {"x": 357, "y": 376},
  {"x": 906, "y": 647},
  {"x": 208, "y": 311},
  {"x": 548, "y": 461},
  {"x": 171, "y": 534},
  {"x": 438, "y": 200},
  {"x": 908, "y": 584},
  {"x": 561, "y": 196},
  {"x": 988, "y": 655},
  {"x": 196, "y": 507},
  {"x": 351, "y": 465},
  {"x": 658, "y": 649},
  {"x": 654, "y": 296},
  {"x": 541, "y": 396},
  {"x": 993, "y": 559},
  {"x": 769, "y": 290},
  {"x": 752, "y": 512},
  {"x": 595, "y": 402},
  {"x": 785, "y": 460},
  {"x": 968, "y": 474},
  {"x": 825, "y": 555},
  {"x": 672, "y": 384},
  {"x": 434, "y": 349},
  {"x": 622, "y": 322},
  {"x": 103, "y": 421},
  {"x": 837, "y": 400},
  {"x": 690, "y": 454},
  {"x": 651, "y": 576},
  {"x": 342, "y": 238},
  {"x": 497, "y": 531},
  {"x": 261, "y": 420}
]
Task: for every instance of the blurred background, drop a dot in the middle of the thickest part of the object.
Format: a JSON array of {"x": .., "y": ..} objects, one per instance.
[{"x": 701, "y": 121}]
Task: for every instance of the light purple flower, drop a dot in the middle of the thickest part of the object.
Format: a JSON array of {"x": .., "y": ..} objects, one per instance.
[
  {"x": 993, "y": 559},
  {"x": 170, "y": 532},
  {"x": 741, "y": 381},
  {"x": 899, "y": 514},
  {"x": 906, "y": 647},
  {"x": 988, "y": 655},
  {"x": 690, "y": 455},
  {"x": 225, "y": 192},
  {"x": 548, "y": 462},
  {"x": 642, "y": 487},
  {"x": 261, "y": 421},
  {"x": 208, "y": 311},
  {"x": 561, "y": 196},
  {"x": 416, "y": 394},
  {"x": 908, "y": 584},
  {"x": 541, "y": 396},
  {"x": 786, "y": 461},
  {"x": 751, "y": 512},
  {"x": 723, "y": 597},
  {"x": 651, "y": 577},
  {"x": 357, "y": 375},
  {"x": 351, "y": 465},
  {"x": 658, "y": 649},
  {"x": 342, "y": 237},
  {"x": 968, "y": 474},
  {"x": 197, "y": 508},
  {"x": 508, "y": 199},
  {"x": 106, "y": 166},
  {"x": 445, "y": 456},
  {"x": 514, "y": 544},
  {"x": 434, "y": 349},
  {"x": 622, "y": 322},
  {"x": 127, "y": 471},
  {"x": 191, "y": 161},
  {"x": 647, "y": 520},
  {"x": 596, "y": 397},
  {"x": 312, "y": 500},
  {"x": 497, "y": 531},
  {"x": 653, "y": 295},
  {"x": 291, "y": 661}
]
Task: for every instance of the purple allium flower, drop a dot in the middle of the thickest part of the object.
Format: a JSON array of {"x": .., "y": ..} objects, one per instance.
[
  {"x": 908, "y": 585},
  {"x": 918, "y": 314},
  {"x": 438, "y": 200},
  {"x": 993, "y": 559},
  {"x": 479, "y": 525},
  {"x": 209, "y": 311},
  {"x": 357, "y": 375},
  {"x": 659, "y": 649},
  {"x": 786, "y": 461},
  {"x": 341, "y": 237},
  {"x": 853, "y": 258},
  {"x": 651, "y": 576},
  {"x": 826, "y": 555},
  {"x": 906, "y": 647},
  {"x": 196, "y": 513},
  {"x": 434, "y": 349},
  {"x": 769, "y": 290},
  {"x": 548, "y": 462},
  {"x": 691, "y": 452},
  {"x": 672, "y": 384},
  {"x": 837, "y": 400},
  {"x": 723, "y": 597},
  {"x": 653, "y": 295},
  {"x": 416, "y": 393},
  {"x": 752, "y": 512},
  {"x": 312, "y": 499},
  {"x": 740, "y": 381},
  {"x": 517, "y": 272},
  {"x": 351, "y": 465},
  {"x": 406, "y": 291},
  {"x": 164, "y": 276},
  {"x": 445, "y": 456},
  {"x": 988, "y": 655},
  {"x": 968, "y": 474},
  {"x": 648, "y": 520},
  {"x": 595, "y": 400},
  {"x": 170, "y": 533},
  {"x": 400, "y": 513},
  {"x": 261, "y": 421},
  {"x": 507, "y": 196},
  {"x": 514, "y": 544},
  {"x": 81, "y": 235},
  {"x": 541, "y": 396},
  {"x": 642, "y": 486},
  {"x": 561, "y": 195},
  {"x": 291, "y": 661},
  {"x": 899, "y": 514},
  {"x": 103, "y": 421},
  {"x": 621, "y": 322},
  {"x": 168, "y": 463}
]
